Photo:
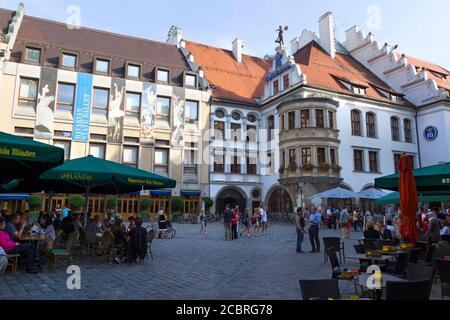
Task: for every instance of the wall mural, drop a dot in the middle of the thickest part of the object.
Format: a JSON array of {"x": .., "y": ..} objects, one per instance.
[
  {"x": 178, "y": 106},
  {"x": 148, "y": 113},
  {"x": 45, "y": 109},
  {"x": 82, "y": 112},
  {"x": 116, "y": 112}
]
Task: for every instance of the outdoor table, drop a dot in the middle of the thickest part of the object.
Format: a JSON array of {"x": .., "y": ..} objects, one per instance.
[
  {"x": 365, "y": 257},
  {"x": 363, "y": 282}
]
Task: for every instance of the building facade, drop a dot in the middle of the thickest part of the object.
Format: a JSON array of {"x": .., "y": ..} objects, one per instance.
[{"x": 243, "y": 130}]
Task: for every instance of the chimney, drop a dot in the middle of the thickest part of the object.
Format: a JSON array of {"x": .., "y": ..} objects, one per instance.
[
  {"x": 175, "y": 36},
  {"x": 295, "y": 45},
  {"x": 238, "y": 48},
  {"x": 326, "y": 30}
]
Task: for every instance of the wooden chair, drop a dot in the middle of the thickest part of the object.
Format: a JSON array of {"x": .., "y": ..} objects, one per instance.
[
  {"x": 150, "y": 237},
  {"x": 107, "y": 243},
  {"x": 13, "y": 262},
  {"x": 57, "y": 255}
]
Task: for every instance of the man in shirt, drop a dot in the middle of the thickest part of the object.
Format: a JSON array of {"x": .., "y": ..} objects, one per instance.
[
  {"x": 227, "y": 219},
  {"x": 264, "y": 220},
  {"x": 315, "y": 219},
  {"x": 300, "y": 223},
  {"x": 11, "y": 227}
]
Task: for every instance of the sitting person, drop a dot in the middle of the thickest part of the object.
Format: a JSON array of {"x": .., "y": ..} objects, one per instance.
[
  {"x": 371, "y": 233},
  {"x": 131, "y": 223},
  {"x": 386, "y": 234},
  {"x": 163, "y": 224},
  {"x": 26, "y": 250},
  {"x": 92, "y": 232},
  {"x": 68, "y": 224},
  {"x": 445, "y": 231},
  {"x": 49, "y": 232},
  {"x": 109, "y": 221},
  {"x": 137, "y": 243},
  {"x": 77, "y": 224},
  {"x": 3, "y": 261},
  {"x": 14, "y": 227},
  {"x": 118, "y": 230}
]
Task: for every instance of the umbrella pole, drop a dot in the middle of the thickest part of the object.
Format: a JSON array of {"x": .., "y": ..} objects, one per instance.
[{"x": 86, "y": 207}]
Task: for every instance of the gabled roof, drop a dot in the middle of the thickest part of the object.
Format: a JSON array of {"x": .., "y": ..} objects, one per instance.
[
  {"x": 420, "y": 64},
  {"x": 325, "y": 72},
  {"x": 241, "y": 82}
]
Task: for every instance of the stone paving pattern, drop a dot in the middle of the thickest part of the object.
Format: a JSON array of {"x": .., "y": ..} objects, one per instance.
[{"x": 192, "y": 267}]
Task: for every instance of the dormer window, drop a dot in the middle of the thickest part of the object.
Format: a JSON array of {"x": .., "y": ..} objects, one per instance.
[
  {"x": 69, "y": 61},
  {"x": 359, "y": 90},
  {"x": 286, "y": 82},
  {"x": 190, "y": 80},
  {"x": 392, "y": 96},
  {"x": 33, "y": 55},
  {"x": 276, "y": 87},
  {"x": 102, "y": 66},
  {"x": 133, "y": 71},
  {"x": 162, "y": 76}
]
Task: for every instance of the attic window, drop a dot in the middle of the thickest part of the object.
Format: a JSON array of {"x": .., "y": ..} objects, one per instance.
[
  {"x": 346, "y": 84},
  {"x": 33, "y": 55},
  {"x": 393, "y": 97},
  {"x": 359, "y": 90}
]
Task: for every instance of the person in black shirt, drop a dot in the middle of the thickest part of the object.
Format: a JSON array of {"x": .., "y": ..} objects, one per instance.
[
  {"x": 227, "y": 219},
  {"x": 371, "y": 233}
]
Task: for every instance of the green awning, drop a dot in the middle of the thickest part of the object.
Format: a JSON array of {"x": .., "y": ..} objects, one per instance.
[
  {"x": 434, "y": 178},
  {"x": 25, "y": 158},
  {"x": 394, "y": 198}
]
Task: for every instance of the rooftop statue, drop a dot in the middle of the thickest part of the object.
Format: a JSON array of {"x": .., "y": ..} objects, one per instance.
[{"x": 281, "y": 31}]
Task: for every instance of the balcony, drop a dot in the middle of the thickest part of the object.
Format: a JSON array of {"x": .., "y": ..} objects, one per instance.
[
  {"x": 314, "y": 172},
  {"x": 309, "y": 134},
  {"x": 235, "y": 178}
]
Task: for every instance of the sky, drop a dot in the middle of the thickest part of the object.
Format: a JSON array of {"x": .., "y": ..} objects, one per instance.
[{"x": 419, "y": 27}]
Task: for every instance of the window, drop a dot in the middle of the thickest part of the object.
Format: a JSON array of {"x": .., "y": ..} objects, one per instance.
[
  {"x": 286, "y": 82},
  {"x": 251, "y": 165},
  {"x": 407, "y": 128},
  {"x": 33, "y": 55},
  {"x": 219, "y": 130},
  {"x": 331, "y": 119},
  {"x": 219, "y": 163},
  {"x": 320, "y": 123},
  {"x": 271, "y": 128},
  {"x": 236, "y": 116},
  {"x": 162, "y": 161},
  {"x": 395, "y": 132},
  {"x": 133, "y": 103},
  {"x": 306, "y": 156},
  {"x": 358, "y": 160},
  {"x": 162, "y": 75},
  {"x": 251, "y": 133},
  {"x": 163, "y": 108},
  {"x": 28, "y": 92},
  {"x": 190, "y": 159},
  {"x": 63, "y": 144},
  {"x": 235, "y": 165},
  {"x": 69, "y": 61},
  {"x": 370, "y": 125},
  {"x": 191, "y": 110},
  {"x": 305, "y": 119},
  {"x": 282, "y": 124},
  {"x": 97, "y": 150},
  {"x": 22, "y": 130},
  {"x": 396, "y": 161},
  {"x": 270, "y": 162},
  {"x": 220, "y": 114},
  {"x": 102, "y": 66},
  {"x": 190, "y": 80},
  {"x": 101, "y": 101},
  {"x": 133, "y": 71},
  {"x": 292, "y": 157},
  {"x": 373, "y": 161},
  {"x": 100, "y": 137},
  {"x": 66, "y": 97},
  {"x": 131, "y": 140},
  {"x": 251, "y": 118},
  {"x": 236, "y": 132},
  {"x": 333, "y": 159},
  {"x": 276, "y": 87},
  {"x": 359, "y": 90},
  {"x": 291, "y": 120},
  {"x": 63, "y": 134},
  {"x": 283, "y": 158},
  {"x": 321, "y": 156},
  {"x": 356, "y": 123},
  {"x": 130, "y": 156}
]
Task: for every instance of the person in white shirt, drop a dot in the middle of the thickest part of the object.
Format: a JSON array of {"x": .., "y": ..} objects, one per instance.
[{"x": 264, "y": 220}]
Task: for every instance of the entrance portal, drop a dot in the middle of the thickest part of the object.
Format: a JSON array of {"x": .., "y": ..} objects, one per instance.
[{"x": 233, "y": 197}]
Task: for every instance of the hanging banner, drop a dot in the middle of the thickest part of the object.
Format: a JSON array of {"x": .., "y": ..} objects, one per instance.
[
  {"x": 82, "y": 112},
  {"x": 45, "y": 109},
  {"x": 148, "y": 113},
  {"x": 116, "y": 112},
  {"x": 178, "y": 107}
]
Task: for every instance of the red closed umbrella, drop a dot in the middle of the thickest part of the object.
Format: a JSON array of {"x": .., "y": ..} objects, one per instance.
[{"x": 408, "y": 200}]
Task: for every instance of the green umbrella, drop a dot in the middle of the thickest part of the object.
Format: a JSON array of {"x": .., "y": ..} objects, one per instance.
[
  {"x": 92, "y": 175},
  {"x": 25, "y": 158},
  {"x": 394, "y": 198},
  {"x": 434, "y": 178}
]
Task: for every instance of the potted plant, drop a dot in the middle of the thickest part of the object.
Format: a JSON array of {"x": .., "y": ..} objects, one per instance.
[
  {"x": 76, "y": 203},
  {"x": 336, "y": 168},
  {"x": 145, "y": 207},
  {"x": 308, "y": 167},
  {"x": 292, "y": 167},
  {"x": 324, "y": 166},
  {"x": 111, "y": 203},
  {"x": 177, "y": 204}
]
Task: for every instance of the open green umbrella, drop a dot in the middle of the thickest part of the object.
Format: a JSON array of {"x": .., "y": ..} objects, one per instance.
[
  {"x": 434, "y": 178},
  {"x": 92, "y": 175},
  {"x": 25, "y": 158},
  {"x": 394, "y": 198}
]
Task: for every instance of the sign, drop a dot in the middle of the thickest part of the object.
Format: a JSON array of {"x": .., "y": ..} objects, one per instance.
[
  {"x": 178, "y": 107},
  {"x": 116, "y": 114},
  {"x": 431, "y": 133},
  {"x": 45, "y": 109},
  {"x": 82, "y": 112}
]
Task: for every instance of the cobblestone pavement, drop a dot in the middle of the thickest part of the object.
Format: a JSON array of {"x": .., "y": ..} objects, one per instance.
[{"x": 191, "y": 266}]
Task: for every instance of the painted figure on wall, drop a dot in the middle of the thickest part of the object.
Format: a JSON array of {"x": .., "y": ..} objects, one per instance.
[
  {"x": 45, "y": 119},
  {"x": 178, "y": 122},
  {"x": 116, "y": 113},
  {"x": 148, "y": 120}
]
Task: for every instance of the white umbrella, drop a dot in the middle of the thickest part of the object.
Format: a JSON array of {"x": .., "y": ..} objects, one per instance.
[
  {"x": 337, "y": 193},
  {"x": 372, "y": 194}
]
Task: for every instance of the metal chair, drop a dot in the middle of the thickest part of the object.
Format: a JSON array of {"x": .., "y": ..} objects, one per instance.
[
  {"x": 414, "y": 255},
  {"x": 372, "y": 244},
  {"x": 443, "y": 269},
  {"x": 320, "y": 289},
  {"x": 150, "y": 237},
  {"x": 57, "y": 255},
  {"x": 335, "y": 243},
  {"x": 411, "y": 290},
  {"x": 108, "y": 241},
  {"x": 416, "y": 272},
  {"x": 399, "y": 269},
  {"x": 13, "y": 262}
]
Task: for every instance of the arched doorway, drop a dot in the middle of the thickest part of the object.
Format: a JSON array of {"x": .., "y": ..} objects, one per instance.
[
  {"x": 280, "y": 201},
  {"x": 230, "y": 196}
]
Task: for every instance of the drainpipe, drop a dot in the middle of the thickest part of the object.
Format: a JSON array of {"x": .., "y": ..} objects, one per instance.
[{"x": 418, "y": 139}]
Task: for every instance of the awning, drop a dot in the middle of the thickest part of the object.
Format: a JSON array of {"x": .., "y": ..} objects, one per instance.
[
  {"x": 161, "y": 193},
  {"x": 14, "y": 196},
  {"x": 191, "y": 193}
]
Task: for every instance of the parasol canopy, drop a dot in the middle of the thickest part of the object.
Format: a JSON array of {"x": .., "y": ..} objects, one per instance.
[{"x": 408, "y": 200}]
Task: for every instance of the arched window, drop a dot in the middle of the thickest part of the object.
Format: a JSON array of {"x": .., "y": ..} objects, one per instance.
[
  {"x": 395, "y": 131},
  {"x": 407, "y": 129},
  {"x": 356, "y": 123},
  {"x": 370, "y": 125}
]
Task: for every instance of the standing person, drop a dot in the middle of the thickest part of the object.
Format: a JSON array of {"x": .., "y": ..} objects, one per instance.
[
  {"x": 355, "y": 219},
  {"x": 234, "y": 225},
  {"x": 329, "y": 218},
  {"x": 344, "y": 220},
  {"x": 255, "y": 222},
  {"x": 227, "y": 219},
  {"x": 203, "y": 222},
  {"x": 237, "y": 228},
  {"x": 264, "y": 220},
  {"x": 434, "y": 229},
  {"x": 246, "y": 222},
  {"x": 300, "y": 223},
  {"x": 314, "y": 220}
]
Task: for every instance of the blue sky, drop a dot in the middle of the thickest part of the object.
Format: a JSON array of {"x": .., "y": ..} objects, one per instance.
[{"x": 419, "y": 27}]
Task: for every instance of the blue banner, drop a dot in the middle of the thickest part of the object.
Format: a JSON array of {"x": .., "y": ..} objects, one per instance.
[{"x": 82, "y": 113}]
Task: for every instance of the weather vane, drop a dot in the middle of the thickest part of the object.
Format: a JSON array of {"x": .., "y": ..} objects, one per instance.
[{"x": 281, "y": 31}]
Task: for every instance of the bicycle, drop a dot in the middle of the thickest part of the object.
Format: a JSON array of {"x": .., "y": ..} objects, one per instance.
[{"x": 169, "y": 233}]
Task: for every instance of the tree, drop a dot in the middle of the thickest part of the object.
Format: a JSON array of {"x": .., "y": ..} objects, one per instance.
[
  {"x": 177, "y": 204},
  {"x": 111, "y": 203},
  {"x": 77, "y": 202},
  {"x": 208, "y": 203},
  {"x": 35, "y": 202}
]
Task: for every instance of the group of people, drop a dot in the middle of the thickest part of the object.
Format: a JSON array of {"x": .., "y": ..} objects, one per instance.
[{"x": 253, "y": 224}]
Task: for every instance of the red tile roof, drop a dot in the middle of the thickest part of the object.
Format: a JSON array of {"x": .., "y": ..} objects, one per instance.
[
  {"x": 242, "y": 82},
  {"x": 420, "y": 64}
]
